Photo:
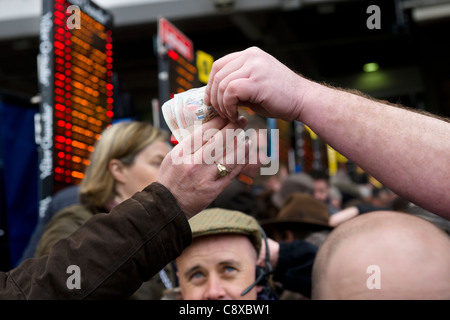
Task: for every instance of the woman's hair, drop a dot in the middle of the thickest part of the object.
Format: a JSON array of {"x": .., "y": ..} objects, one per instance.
[{"x": 122, "y": 141}]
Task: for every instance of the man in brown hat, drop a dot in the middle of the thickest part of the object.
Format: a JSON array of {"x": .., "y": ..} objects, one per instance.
[{"x": 302, "y": 217}]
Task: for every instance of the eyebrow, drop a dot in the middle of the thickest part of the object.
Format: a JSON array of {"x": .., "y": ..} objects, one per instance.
[
  {"x": 194, "y": 268},
  {"x": 231, "y": 262},
  {"x": 158, "y": 156},
  {"x": 191, "y": 270}
]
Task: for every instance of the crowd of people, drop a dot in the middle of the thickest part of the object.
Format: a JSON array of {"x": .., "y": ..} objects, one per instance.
[{"x": 140, "y": 226}]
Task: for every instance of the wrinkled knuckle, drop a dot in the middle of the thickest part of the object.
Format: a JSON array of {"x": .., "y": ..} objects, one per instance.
[
  {"x": 232, "y": 88},
  {"x": 222, "y": 86},
  {"x": 254, "y": 50}
]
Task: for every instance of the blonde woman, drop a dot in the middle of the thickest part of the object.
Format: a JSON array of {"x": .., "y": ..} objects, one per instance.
[{"x": 125, "y": 160}]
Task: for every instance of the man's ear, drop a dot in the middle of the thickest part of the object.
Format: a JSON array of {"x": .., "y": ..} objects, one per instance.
[{"x": 117, "y": 170}]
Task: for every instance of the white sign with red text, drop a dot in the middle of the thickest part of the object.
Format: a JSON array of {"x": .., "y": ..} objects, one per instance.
[{"x": 172, "y": 37}]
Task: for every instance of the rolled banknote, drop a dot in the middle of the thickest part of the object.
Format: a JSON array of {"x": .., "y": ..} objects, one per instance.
[{"x": 185, "y": 110}]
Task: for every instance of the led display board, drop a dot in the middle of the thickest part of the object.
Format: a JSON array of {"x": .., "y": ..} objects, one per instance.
[
  {"x": 75, "y": 66},
  {"x": 176, "y": 64},
  {"x": 182, "y": 74}
]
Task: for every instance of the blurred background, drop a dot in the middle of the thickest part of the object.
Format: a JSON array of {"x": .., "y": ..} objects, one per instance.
[
  {"x": 403, "y": 59},
  {"x": 324, "y": 40}
]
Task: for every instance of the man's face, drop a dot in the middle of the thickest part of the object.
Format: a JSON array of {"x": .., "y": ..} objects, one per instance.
[
  {"x": 217, "y": 267},
  {"x": 321, "y": 190}
]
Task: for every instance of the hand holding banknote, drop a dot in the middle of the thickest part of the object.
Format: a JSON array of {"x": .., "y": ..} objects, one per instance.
[
  {"x": 191, "y": 165},
  {"x": 185, "y": 110}
]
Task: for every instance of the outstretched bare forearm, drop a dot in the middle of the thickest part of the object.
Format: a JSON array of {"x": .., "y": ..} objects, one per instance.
[{"x": 405, "y": 150}]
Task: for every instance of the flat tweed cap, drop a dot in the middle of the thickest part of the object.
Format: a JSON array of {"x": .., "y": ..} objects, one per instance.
[{"x": 222, "y": 221}]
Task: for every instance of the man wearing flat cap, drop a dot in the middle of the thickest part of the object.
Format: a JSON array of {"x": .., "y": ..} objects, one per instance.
[{"x": 221, "y": 262}]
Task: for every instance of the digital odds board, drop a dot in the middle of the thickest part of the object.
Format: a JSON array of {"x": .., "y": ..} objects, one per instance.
[{"x": 75, "y": 68}]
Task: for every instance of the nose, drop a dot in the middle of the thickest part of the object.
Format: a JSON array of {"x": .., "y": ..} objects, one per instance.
[{"x": 214, "y": 289}]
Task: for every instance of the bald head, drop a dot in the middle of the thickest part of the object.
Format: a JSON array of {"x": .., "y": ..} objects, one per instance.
[{"x": 383, "y": 255}]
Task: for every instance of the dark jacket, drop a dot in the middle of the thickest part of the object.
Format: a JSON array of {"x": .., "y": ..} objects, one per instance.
[
  {"x": 62, "y": 225},
  {"x": 60, "y": 200},
  {"x": 115, "y": 252},
  {"x": 294, "y": 266}
]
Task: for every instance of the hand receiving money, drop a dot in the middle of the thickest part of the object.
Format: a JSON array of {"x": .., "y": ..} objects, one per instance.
[{"x": 185, "y": 110}]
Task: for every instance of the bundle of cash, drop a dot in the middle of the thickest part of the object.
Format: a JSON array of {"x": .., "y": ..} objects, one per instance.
[{"x": 185, "y": 110}]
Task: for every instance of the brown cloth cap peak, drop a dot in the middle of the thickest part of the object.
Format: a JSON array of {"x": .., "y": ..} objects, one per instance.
[{"x": 222, "y": 221}]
